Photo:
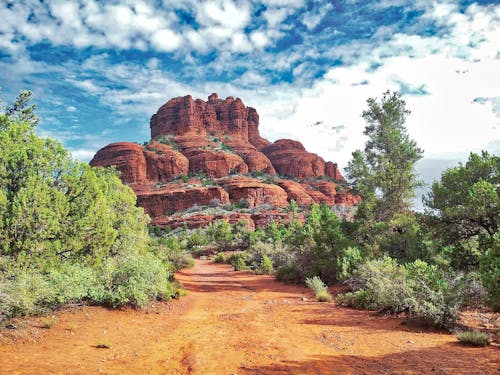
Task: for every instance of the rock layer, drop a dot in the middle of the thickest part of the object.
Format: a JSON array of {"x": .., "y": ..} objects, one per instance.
[{"x": 210, "y": 153}]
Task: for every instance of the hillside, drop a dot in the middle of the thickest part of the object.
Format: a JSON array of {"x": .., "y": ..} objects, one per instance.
[{"x": 206, "y": 160}]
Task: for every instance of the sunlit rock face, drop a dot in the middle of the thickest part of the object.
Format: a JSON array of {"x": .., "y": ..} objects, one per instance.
[{"x": 208, "y": 157}]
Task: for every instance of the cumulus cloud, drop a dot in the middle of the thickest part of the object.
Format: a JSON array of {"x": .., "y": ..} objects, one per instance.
[{"x": 447, "y": 77}]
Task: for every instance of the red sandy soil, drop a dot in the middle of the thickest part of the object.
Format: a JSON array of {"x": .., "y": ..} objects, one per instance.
[{"x": 235, "y": 323}]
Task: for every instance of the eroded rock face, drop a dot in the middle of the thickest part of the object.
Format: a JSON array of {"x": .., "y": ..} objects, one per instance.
[
  {"x": 229, "y": 117},
  {"x": 254, "y": 192},
  {"x": 219, "y": 141},
  {"x": 202, "y": 220},
  {"x": 128, "y": 158},
  {"x": 215, "y": 163},
  {"x": 170, "y": 199},
  {"x": 290, "y": 159}
]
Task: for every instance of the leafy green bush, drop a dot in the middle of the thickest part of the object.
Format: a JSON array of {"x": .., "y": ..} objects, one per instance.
[
  {"x": 24, "y": 293},
  {"x": 315, "y": 284},
  {"x": 289, "y": 274},
  {"x": 347, "y": 262},
  {"x": 133, "y": 280},
  {"x": 220, "y": 258},
  {"x": 238, "y": 260},
  {"x": 196, "y": 239},
  {"x": 266, "y": 265},
  {"x": 473, "y": 338},
  {"x": 220, "y": 234},
  {"x": 323, "y": 296},
  {"x": 490, "y": 273},
  {"x": 420, "y": 289},
  {"x": 319, "y": 288},
  {"x": 381, "y": 286},
  {"x": 240, "y": 265}
]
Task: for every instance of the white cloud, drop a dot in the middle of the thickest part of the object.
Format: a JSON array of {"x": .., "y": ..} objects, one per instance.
[
  {"x": 228, "y": 14},
  {"x": 166, "y": 40},
  {"x": 313, "y": 18},
  {"x": 83, "y": 154},
  {"x": 259, "y": 39}
]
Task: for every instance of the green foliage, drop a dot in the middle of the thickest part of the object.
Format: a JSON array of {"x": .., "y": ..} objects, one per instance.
[
  {"x": 467, "y": 198},
  {"x": 220, "y": 234},
  {"x": 315, "y": 284},
  {"x": 21, "y": 111},
  {"x": 196, "y": 239},
  {"x": 220, "y": 258},
  {"x": 54, "y": 208},
  {"x": 239, "y": 260},
  {"x": 473, "y": 338},
  {"x": 68, "y": 232},
  {"x": 266, "y": 265},
  {"x": 289, "y": 274},
  {"x": 319, "y": 288},
  {"x": 383, "y": 173},
  {"x": 132, "y": 280},
  {"x": 420, "y": 289},
  {"x": 347, "y": 263},
  {"x": 490, "y": 273},
  {"x": 382, "y": 286},
  {"x": 323, "y": 296}
]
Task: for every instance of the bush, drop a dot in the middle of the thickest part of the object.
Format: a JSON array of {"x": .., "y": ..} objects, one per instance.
[
  {"x": 196, "y": 239},
  {"x": 417, "y": 288},
  {"x": 238, "y": 261},
  {"x": 381, "y": 286},
  {"x": 289, "y": 274},
  {"x": 315, "y": 284},
  {"x": 220, "y": 258},
  {"x": 347, "y": 262},
  {"x": 323, "y": 296},
  {"x": 219, "y": 233},
  {"x": 266, "y": 265},
  {"x": 319, "y": 288},
  {"x": 473, "y": 338},
  {"x": 490, "y": 273},
  {"x": 133, "y": 280}
]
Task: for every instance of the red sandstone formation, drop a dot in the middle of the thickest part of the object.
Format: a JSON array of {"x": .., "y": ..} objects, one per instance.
[
  {"x": 253, "y": 192},
  {"x": 292, "y": 160},
  {"x": 219, "y": 141},
  {"x": 170, "y": 199}
]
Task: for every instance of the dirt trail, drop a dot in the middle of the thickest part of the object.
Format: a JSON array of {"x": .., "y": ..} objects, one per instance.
[{"x": 235, "y": 323}]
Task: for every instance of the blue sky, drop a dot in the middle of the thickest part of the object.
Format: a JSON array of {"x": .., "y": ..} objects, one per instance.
[{"x": 100, "y": 69}]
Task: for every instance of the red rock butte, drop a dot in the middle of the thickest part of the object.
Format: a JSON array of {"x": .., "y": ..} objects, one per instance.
[{"x": 207, "y": 161}]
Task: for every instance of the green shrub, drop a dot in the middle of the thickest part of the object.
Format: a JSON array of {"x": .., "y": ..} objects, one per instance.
[
  {"x": 323, "y": 296},
  {"x": 24, "y": 293},
  {"x": 490, "y": 273},
  {"x": 420, "y": 289},
  {"x": 319, "y": 288},
  {"x": 196, "y": 239},
  {"x": 315, "y": 284},
  {"x": 473, "y": 338},
  {"x": 220, "y": 234},
  {"x": 382, "y": 286},
  {"x": 29, "y": 292},
  {"x": 289, "y": 274},
  {"x": 238, "y": 260},
  {"x": 133, "y": 280},
  {"x": 347, "y": 262},
  {"x": 220, "y": 258},
  {"x": 240, "y": 265},
  {"x": 266, "y": 265}
]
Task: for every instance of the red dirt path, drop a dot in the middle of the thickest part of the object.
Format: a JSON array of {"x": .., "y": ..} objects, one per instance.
[{"x": 235, "y": 323}]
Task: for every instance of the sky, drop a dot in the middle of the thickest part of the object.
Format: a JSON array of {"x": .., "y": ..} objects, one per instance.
[{"x": 99, "y": 69}]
